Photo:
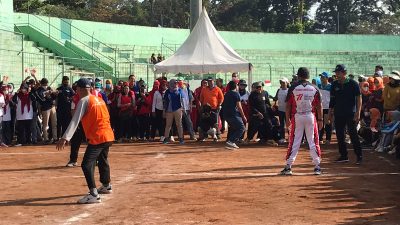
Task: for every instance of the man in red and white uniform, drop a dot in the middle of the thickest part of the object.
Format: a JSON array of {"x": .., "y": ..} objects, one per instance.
[{"x": 303, "y": 102}]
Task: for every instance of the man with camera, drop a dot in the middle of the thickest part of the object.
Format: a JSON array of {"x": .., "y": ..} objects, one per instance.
[{"x": 46, "y": 100}]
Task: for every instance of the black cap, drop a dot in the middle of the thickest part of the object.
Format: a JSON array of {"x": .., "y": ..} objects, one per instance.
[
  {"x": 303, "y": 72},
  {"x": 210, "y": 78},
  {"x": 65, "y": 78},
  {"x": 242, "y": 82},
  {"x": 340, "y": 68},
  {"x": 83, "y": 83}
]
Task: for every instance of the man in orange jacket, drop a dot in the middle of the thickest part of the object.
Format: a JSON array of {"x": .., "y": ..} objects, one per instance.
[{"x": 93, "y": 113}]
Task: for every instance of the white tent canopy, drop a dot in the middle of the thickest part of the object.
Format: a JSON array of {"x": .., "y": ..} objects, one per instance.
[{"x": 204, "y": 51}]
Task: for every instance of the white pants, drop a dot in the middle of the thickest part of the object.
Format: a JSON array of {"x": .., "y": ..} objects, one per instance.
[{"x": 299, "y": 124}]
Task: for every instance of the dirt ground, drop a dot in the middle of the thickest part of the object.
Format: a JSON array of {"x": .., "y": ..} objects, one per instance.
[{"x": 200, "y": 184}]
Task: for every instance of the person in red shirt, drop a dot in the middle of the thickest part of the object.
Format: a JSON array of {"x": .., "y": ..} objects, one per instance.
[
  {"x": 196, "y": 113},
  {"x": 144, "y": 103}
]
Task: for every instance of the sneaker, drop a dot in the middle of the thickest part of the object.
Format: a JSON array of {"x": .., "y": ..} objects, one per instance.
[
  {"x": 379, "y": 149},
  {"x": 342, "y": 159},
  {"x": 193, "y": 138},
  {"x": 162, "y": 138},
  {"x": 347, "y": 140},
  {"x": 374, "y": 130},
  {"x": 181, "y": 142},
  {"x": 89, "y": 199},
  {"x": 282, "y": 141},
  {"x": 172, "y": 139},
  {"x": 391, "y": 152},
  {"x": 18, "y": 145},
  {"x": 317, "y": 170},
  {"x": 71, "y": 164},
  {"x": 231, "y": 145},
  {"x": 359, "y": 161},
  {"x": 165, "y": 141},
  {"x": 333, "y": 131},
  {"x": 215, "y": 138},
  {"x": 105, "y": 190},
  {"x": 4, "y": 145},
  {"x": 286, "y": 171}
]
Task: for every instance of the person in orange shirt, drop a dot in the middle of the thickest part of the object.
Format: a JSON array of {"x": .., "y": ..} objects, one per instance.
[
  {"x": 93, "y": 113},
  {"x": 213, "y": 96}
]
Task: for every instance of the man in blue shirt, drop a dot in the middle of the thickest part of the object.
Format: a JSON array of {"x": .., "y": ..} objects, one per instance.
[{"x": 234, "y": 115}]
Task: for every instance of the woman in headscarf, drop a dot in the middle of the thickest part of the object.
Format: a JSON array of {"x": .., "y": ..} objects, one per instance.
[
  {"x": 173, "y": 106},
  {"x": 375, "y": 104},
  {"x": 24, "y": 113}
]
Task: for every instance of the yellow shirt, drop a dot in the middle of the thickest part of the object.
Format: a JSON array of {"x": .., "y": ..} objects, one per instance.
[{"x": 391, "y": 98}]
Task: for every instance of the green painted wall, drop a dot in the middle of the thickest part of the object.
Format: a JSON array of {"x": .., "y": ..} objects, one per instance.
[
  {"x": 152, "y": 36},
  {"x": 6, "y": 15}
]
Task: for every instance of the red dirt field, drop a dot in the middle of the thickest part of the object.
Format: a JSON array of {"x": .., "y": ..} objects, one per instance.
[{"x": 200, "y": 184}]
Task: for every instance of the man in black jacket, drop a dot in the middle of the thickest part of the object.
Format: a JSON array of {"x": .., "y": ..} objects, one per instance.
[
  {"x": 64, "y": 99},
  {"x": 46, "y": 100}
]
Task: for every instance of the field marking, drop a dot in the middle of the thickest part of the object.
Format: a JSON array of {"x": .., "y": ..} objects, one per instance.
[{"x": 86, "y": 213}]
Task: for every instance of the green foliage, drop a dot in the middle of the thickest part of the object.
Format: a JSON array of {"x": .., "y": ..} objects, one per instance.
[{"x": 288, "y": 16}]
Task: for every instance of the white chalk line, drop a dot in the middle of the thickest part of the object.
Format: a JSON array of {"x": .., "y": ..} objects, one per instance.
[
  {"x": 130, "y": 177},
  {"x": 86, "y": 213}
]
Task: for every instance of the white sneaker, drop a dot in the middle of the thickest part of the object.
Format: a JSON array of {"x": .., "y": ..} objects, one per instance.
[
  {"x": 392, "y": 151},
  {"x": 172, "y": 139},
  {"x": 282, "y": 141},
  {"x": 348, "y": 141},
  {"x": 105, "y": 190},
  {"x": 379, "y": 149},
  {"x": 18, "y": 145},
  {"x": 231, "y": 145},
  {"x": 162, "y": 138},
  {"x": 72, "y": 164},
  {"x": 89, "y": 199}
]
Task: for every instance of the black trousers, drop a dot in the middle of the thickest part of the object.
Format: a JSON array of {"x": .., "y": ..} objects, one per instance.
[
  {"x": 158, "y": 123},
  {"x": 262, "y": 126},
  {"x": 76, "y": 141},
  {"x": 340, "y": 124},
  {"x": 125, "y": 127},
  {"x": 144, "y": 126},
  {"x": 24, "y": 131},
  {"x": 63, "y": 119},
  {"x": 282, "y": 123},
  {"x": 97, "y": 153},
  {"x": 327, "y": 128},
  {"x": 7, "y": 132}
]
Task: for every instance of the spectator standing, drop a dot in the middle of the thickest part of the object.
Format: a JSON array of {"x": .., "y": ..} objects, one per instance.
[
  {"x": 7, "y": 122},
  {"x": 64, "y": 99},
  {"x": 325, "y": 90},
  {"x": 24, "y": 115},
  {"x": 46, "y": 101},
  {"x": 345, "y": 107},
  {"x": 212, "y": 96},
  {"x": 157, "y": 112},
  {"x": 187, "y": 108},
  {"x": 173, "y": 108},
  {"x": 144, "y": 103},
  {"x": 126, "y": 103},
  {"x": 280, "y": 97},
  {"x": 234, "y": 115}
]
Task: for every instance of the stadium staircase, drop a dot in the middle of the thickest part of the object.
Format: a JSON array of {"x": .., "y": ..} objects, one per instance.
[{"x": 46, "y": 35}]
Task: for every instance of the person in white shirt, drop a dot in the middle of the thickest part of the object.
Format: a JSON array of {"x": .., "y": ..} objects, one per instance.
[
  {"x": 24, "y": 114},
  {"x": 280, "y": 98},
  {"x": 157, "y": 109},
  {"x": 325, "y": 90},
  {"x": 187, "y": 106},
  {"x": 2, "y": 104},
  {"x": 7, "y": 131}
]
